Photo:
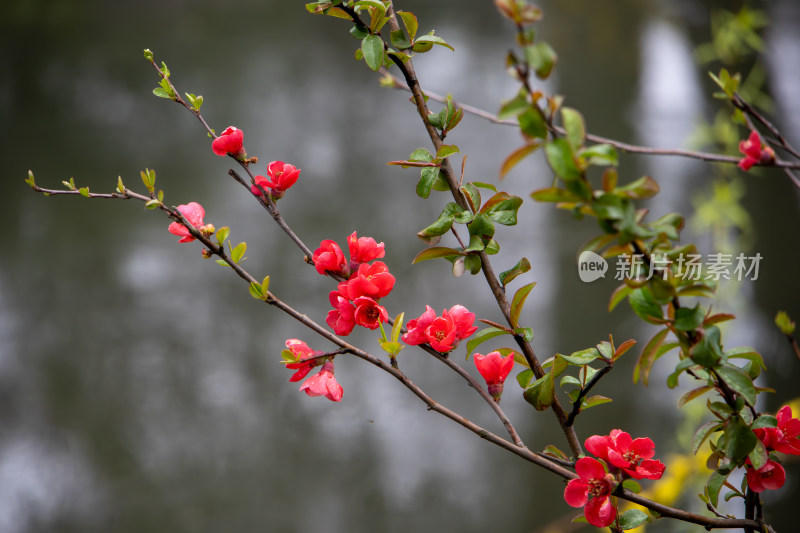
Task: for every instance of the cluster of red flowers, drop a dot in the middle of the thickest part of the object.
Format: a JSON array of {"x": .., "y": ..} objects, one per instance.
[
  {"x": 620, "y": 456},
  {"x": 754, "y": 152},
  {"x": 281, "y": 175},
  {"x": 323, "y": 383},
  {"x": 443, "y": 333},
  {"x": 355, "y": 301},
  {"x": 785, "y": 438}
]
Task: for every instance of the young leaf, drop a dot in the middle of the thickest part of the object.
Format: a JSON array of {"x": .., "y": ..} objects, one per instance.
[
  {"x": 560, "y": 158},
  {"x": 520, "y": 268},
  {"x": 435, "y": 253},
  {"x": 372, "y": 49},
  {"x": 518, "y": 302},
  {"x": 410, "y": 22},
  {"x": 574, "y": 126},
  {"x": 648, "y": 357},
  {"x": 516, "y": 156},
  {"x": 237, "y": 254},
  {"x": 483, "y": 336}
]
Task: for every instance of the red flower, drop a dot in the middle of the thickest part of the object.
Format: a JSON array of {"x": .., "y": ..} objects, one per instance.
[
  {"x": 363, "y": 250},
  {"x": 193, "y": 213},
  {"x": 592, "y": 491},
  {"x": 442, "y": 333},
  {"x": 368, "y": 313},
  {"x": 329, "y": 258},
  {"x": 464, "y": 320},
  {"x": 373, "y": 281},
  {"x": 633, "y": 456},
  {"x": 784, "y": 438},
  {"x": 323, "y": 383},
  {"x": 771, "y": 476},
  {"x": 302, "y": 352},
  {"x": 342, "y": 318},
  {"x": 495, "y": 369},
  {"x": 281, "y": 177},
  {"x": 229, "y": 142},
  {"x": 754, "y": 152}
]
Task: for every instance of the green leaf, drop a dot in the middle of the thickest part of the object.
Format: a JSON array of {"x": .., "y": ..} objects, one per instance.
[
  {"x": 84, "y": 191},
  {"x": 372, "y": 48},
  {"x": 222, "y": 235},
  {"x": 542, "y": 58},
  {"x": 599, "y": 154},
  {"x": 516, "y": 156},
  {"x": 446, "y": 150},
  {"x": 161, "y": 93},
  {"x": 435, "y": 253},
  {"x": 541, "y": 393},
  {"x": 738, "y": 440},
  {"x": 739, "y": 381},
  {"x": 237, "y": 254},
  {"x": 502, "y": 208},
  {"x": 152, "y": 204},
  {"x": 481, "y": 226},
  {"x": 648, "y": 357},
  {"x": 525, "y": 333},
  {"x": 518, "y": 302},
  {"x": 632, "y": 485},
  {"x": 560, "y": 159},
  {"x": 520, "y": 268},
  {"x": 645, "y": 306},
  {"x": 532, "y": 123},
  {"x": 692, "y": 394},
  {"x": 397, "y": 328},
  {"x": 427, "y": 180},
  {"x": 359, "y": 32},
  {"x": 554, "y": 452},
  {"x": 574, "y": 126},
  {"x": 632, "y": 518},
  {"x": 644, "y": 187},
  {"x": 255, "y": 291},
  {"x": 265, "y": 285},
  {"x": 759, "y": 456},
  {"x": 764, "y": 421},
  {"x": 524, "y": 378},
  {"x": 688, "y": 319},
  {"x": 714, "y": 485},
  {"x": 782, "y": 320},
  {"x": 708, "y": 352},
  {"x": 514, "y": 106},
  {"x": 703, "y": 433},
  {"x": 555, "y": 194},
  {"x": 593, "y": 401},
  {"x": 581, "y": 357},
  {"x": 410, "y": 22},
  {"x": 483, "y": 336},
  {"x": 424, "y": 43},
  {"x": 619, "y": 294}
]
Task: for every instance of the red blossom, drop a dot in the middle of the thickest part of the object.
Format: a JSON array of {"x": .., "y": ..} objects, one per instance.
[
  {"x": 754, "y": 152},
  {"x": 281, "y": 177},
  {"x": 193, "y": 213},
  {"x": 368, "y": 313},
  {"x": 442, "y": 333},
  {"x": 495, "y": 369},
  {"x": 363, "y": 250},
  {"x": 373, "y": 281},
  {"x": 771, "y": 476},
  {"x": 592, "y": 491},
  {"x": 229, "y": 142},
  {"x": 784, "y": 438},
  {"x": 330, "y": 258},
  {"x": 342, "y": 317},
  {"x": 633, "y": 456},
  {"x": 302, "y": 352},
  {"x": 323, "y": 383}
]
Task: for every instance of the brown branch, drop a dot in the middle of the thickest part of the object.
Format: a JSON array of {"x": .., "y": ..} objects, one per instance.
[
  {"x": 619, "y": 145},
  {"x": 407, "y": 69}
]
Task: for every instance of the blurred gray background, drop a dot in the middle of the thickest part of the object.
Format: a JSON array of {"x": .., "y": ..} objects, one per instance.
[{"x": 140, "y": 386}]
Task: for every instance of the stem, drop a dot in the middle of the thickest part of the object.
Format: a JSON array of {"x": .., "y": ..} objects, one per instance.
[
  {"x": 619, "y": 145},
  {"x": 407, "y": 69}
]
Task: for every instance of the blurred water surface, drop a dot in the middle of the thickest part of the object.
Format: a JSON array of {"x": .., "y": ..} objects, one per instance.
[{"x": 140, "y": 388}]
